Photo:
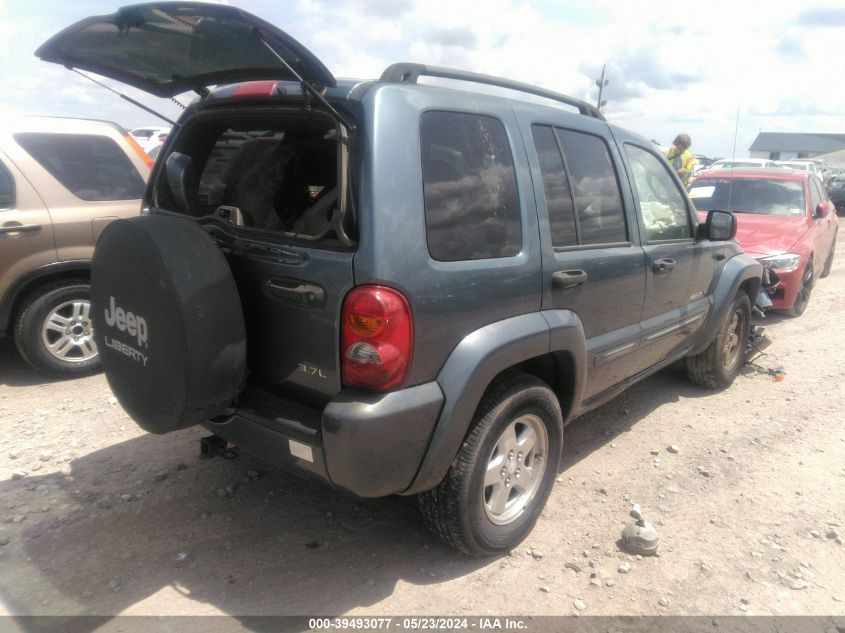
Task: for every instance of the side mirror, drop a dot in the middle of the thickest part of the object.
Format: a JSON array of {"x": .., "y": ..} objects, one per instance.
[
  {"x": 822, "y": 210},
  {"x": 720, "y": 226}
]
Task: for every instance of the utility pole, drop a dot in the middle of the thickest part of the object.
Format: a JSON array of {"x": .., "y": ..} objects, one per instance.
[{"x": 601, "y": 83}]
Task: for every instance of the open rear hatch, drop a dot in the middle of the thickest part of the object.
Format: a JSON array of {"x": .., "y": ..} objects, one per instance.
[
  {"x": 267, "y": 182},
  {"x": 166, "y": 48}
]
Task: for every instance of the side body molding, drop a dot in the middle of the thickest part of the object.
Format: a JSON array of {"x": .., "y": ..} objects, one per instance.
[
  {"x": 477, "y": 360},
  {"x": 737, "y": 271}
]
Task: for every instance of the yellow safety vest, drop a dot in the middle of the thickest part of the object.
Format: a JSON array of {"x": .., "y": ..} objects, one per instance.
[{"x": 683, "y": 163}]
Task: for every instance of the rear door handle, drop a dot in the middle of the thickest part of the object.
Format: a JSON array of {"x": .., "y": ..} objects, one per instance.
[
  {"x": 296, "y": 291},
  {"x": 663, "y": 265},
  {"x": 19, "y": 228},
  {"x": 568, "y": 278}
]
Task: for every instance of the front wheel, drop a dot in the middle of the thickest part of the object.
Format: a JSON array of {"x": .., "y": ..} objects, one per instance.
[
  {"x": 802, "y": 299},
  {"x": 718, "y": 365},
  {"x": 503, "y": 474}
]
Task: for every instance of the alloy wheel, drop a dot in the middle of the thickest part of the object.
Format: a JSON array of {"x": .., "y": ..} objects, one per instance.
[
  {"x": 803, "y": 296},
  {"x": 515, "y": 469},
  {"x": 67, "y": 332},
  {"x": 733, "y": 340}
]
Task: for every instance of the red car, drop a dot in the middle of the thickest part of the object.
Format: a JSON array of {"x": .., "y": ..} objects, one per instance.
[{"x": 784, "y": 219}]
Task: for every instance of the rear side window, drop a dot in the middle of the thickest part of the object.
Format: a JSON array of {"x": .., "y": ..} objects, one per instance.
[
  {"x": 579, "y": 182},
  {"x": 555, "y": 186},
  {"x": 598, "y": 203},
  {"x": 92, "y": 167},
  {"x": 469, "y": 187},
  {"x": 7, "y": 189}
]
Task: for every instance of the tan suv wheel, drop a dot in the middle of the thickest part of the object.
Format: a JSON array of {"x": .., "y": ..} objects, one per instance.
[{"x": 54, "y": 334}]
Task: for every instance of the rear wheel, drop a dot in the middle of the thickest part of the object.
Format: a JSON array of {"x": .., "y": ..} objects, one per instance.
[
  {"x": 503, "y": 474},
  {"x": 802, "y": 299},
  {"x": 718, "y": 365},
  {"x": 54, "y": 334},
  {"x": 828, "y": 263}
]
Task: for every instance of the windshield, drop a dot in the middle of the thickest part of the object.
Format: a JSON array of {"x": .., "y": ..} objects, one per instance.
[
  {"x": 801, "y": 166},
  {"x": 745, "y": 195}
]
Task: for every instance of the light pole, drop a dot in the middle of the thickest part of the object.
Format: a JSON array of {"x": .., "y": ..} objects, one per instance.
[{"x": 601, "y": 83}]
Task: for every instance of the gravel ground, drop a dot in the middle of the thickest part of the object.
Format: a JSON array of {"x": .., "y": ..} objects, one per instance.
[{"x": 97, "y": 517}]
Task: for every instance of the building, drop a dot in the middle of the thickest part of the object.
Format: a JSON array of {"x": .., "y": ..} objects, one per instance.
[
  {"x": 792, "y": 145},
  {"x": 835, "y": 159}
]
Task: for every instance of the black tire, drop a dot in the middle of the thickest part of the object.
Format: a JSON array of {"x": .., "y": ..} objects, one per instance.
[
  {"x": 457, "y": 509},
  {"x": 718, "y": 365},
  {"x": 802, "y": 299},
  {"x": 828, "y": 263},
  {"x": 64, "y": 354}
]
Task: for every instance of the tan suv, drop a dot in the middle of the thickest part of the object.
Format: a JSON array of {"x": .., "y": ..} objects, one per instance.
[{"x": 61, "y": 182}]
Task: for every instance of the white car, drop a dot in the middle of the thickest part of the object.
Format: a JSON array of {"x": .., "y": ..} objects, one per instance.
[
  {"x": 804, "y": 165},
  {"x": 739, "y": 163},
  {"x": 150, "y": 137}
]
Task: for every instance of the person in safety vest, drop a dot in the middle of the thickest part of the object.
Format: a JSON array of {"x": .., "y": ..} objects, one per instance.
[{"x": 681, "y": 158}]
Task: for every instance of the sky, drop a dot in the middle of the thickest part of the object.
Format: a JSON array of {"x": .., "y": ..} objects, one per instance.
[{"x": 719, "y": 71}]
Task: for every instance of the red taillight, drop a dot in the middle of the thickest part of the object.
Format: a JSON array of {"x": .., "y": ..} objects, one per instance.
[
  {"x": 377, "y": 338},
  {"x": 263, "y": 88}
]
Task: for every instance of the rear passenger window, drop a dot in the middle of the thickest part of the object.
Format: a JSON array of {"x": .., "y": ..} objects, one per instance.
[
  {"x": 90, "y": 166},
  {"x": 590, "y": 210},
  {"x": 555, "y": 186},
  {"x": 7, "y": 189},
  {"x": 598, "y": 203},
  {"x": 469, "y": 187},
  {"x": 663, "y": 207}
]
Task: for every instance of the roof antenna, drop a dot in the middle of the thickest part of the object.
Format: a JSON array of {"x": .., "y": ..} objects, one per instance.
[
  {"x": 736, "y": 132},
  {"x": 733, "y": 159},
  {"x": 125, "y": 98}
]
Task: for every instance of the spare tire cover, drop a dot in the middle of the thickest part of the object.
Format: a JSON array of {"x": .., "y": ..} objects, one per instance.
[{"x": 167, "y": 321}]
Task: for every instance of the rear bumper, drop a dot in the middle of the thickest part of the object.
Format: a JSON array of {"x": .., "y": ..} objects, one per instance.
[{"x": 368, "y": 444}]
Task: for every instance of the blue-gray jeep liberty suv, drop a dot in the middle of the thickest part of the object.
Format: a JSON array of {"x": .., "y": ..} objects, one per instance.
[{"x": 391, "y": 287}]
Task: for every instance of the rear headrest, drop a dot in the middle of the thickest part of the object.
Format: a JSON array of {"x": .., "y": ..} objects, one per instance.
[{"x": 182, "y": 180}]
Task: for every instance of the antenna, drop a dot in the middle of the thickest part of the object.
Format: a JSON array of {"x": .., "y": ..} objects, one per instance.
[
  {"x": 736, "y": 131},
  {"x": 733, "y": 159},
  {"x": 601, "y": 82}
]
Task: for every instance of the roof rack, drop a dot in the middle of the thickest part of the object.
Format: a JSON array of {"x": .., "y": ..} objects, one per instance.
[{"x": 409, "y": 73}]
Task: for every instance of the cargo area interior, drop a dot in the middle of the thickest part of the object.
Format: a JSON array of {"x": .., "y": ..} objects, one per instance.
[{"x": 278, "y": 171}]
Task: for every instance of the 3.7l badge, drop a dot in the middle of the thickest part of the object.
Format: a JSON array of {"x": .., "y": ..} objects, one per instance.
[{"x": 310, "y": 370}]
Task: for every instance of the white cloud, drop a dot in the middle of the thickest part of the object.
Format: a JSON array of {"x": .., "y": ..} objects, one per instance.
[{"x": 671, "y": 67}]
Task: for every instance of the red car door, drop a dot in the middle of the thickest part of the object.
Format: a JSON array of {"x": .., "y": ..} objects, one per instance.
[{"x": 826, "y": 223}]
